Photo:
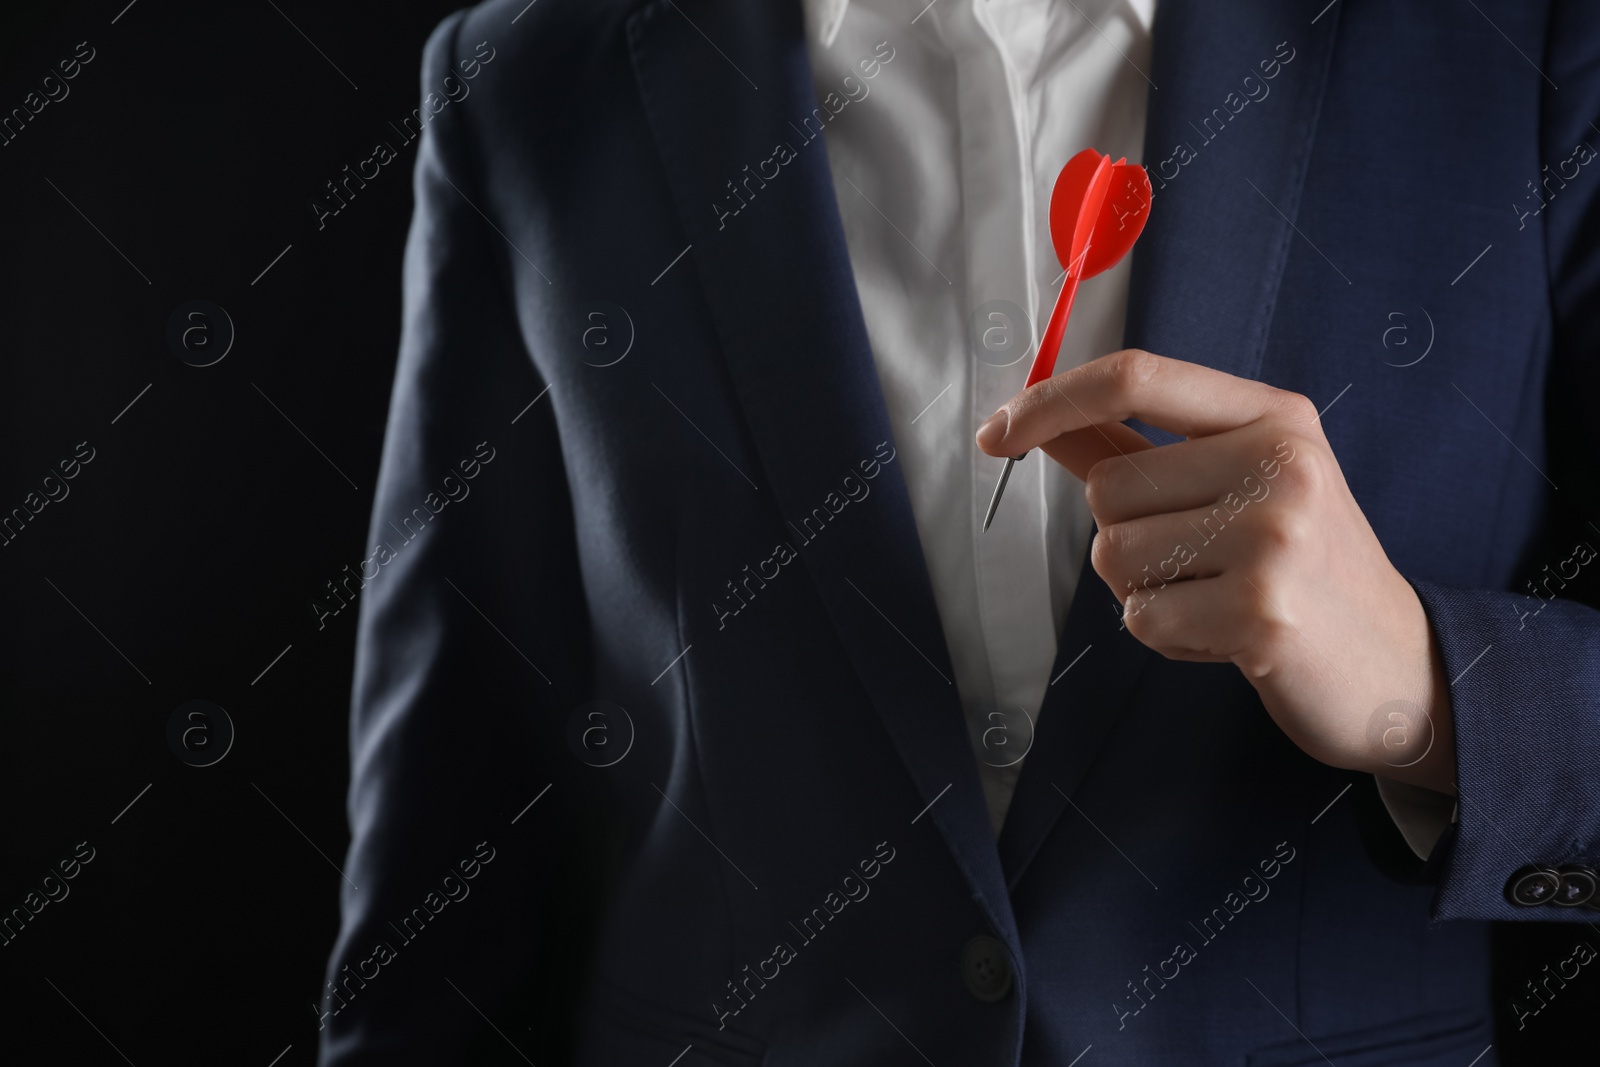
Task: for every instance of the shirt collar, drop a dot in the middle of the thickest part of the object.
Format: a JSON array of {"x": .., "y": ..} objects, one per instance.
[{"x": 823, "y": 17}]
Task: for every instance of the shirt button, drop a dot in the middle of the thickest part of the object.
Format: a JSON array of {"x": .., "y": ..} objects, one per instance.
[
  {"x": 1532, "y": 886},
  {"x": 986, "y": 969},
  {"x": 1577, "y": 887}
]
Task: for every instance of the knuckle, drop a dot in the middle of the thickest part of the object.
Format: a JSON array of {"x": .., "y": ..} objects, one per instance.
[
  {"x": 1105, "y": 551},
  {"x": 1037, "y": 403},
  {"x": 1032, "y": 399},
  {"x": 1141, "y": 622},
  {"x": 1297, "y": 408},
  {"x": 1099, "y": 485},
  {"x": 1308, "y": 470},
  {"x": 1286, "y": 530},
  {"x": 1131, "y": 368}
]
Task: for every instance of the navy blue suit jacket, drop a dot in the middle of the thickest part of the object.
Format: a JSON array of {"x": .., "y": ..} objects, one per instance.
[{"x": 786, "y": 851}]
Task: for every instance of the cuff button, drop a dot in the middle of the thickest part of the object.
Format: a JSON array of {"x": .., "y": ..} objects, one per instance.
[
  {"x": 1577, "y": 887},
  {"x": 1533, "y": 886}
]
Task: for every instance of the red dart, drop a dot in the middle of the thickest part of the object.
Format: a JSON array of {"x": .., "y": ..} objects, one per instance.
[{"x": 1097, "y": 211}]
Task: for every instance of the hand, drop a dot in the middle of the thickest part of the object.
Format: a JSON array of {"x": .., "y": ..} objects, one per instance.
[{"x": 1243, "y": 544}]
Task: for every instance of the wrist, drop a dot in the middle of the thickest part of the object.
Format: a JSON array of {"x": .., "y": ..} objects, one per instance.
[{"x": 1411, "y": 739}]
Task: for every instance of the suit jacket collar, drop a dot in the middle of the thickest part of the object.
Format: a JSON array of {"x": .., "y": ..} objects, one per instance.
[
  {"x": 776, "y": 273},
  {"x": 1228, "y": 170}
]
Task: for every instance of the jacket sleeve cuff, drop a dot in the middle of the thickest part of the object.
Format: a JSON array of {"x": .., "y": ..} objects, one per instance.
[{"x": 1525, "y": 700}]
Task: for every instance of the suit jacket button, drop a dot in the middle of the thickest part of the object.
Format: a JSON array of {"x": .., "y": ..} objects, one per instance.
[
  {"x": 986, "y": 969},
  {"x": 1577, "y": 887},
  {"x": 1532, "y": 886}
]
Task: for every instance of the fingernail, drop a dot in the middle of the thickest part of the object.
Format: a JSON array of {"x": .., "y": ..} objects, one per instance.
[{"x": 993, "y": 430}]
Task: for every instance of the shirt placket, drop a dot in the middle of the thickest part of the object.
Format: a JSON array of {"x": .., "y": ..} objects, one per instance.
[{"x": 1011, "y": 566}]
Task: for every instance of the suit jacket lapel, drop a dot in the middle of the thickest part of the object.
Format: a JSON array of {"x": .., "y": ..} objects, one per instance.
[
  {"x": 776, "y": 273},
  {"x": 1227, "y": 158}
]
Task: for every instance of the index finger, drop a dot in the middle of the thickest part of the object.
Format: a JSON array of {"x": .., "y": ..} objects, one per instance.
[{"x": 1183, "y": 398}]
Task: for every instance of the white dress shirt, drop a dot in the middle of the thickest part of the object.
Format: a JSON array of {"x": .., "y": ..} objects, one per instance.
[{"x": 943, "y": 170}]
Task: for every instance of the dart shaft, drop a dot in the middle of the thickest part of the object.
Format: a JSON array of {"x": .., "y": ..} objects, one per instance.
[{"x": 1044, "y": 361}]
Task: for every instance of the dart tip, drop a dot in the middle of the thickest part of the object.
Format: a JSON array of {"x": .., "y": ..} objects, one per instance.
[{"x": 999, "y": 489}]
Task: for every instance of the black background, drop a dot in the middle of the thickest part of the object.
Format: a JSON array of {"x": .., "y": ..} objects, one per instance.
[{"x": 188, "y": 551}]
